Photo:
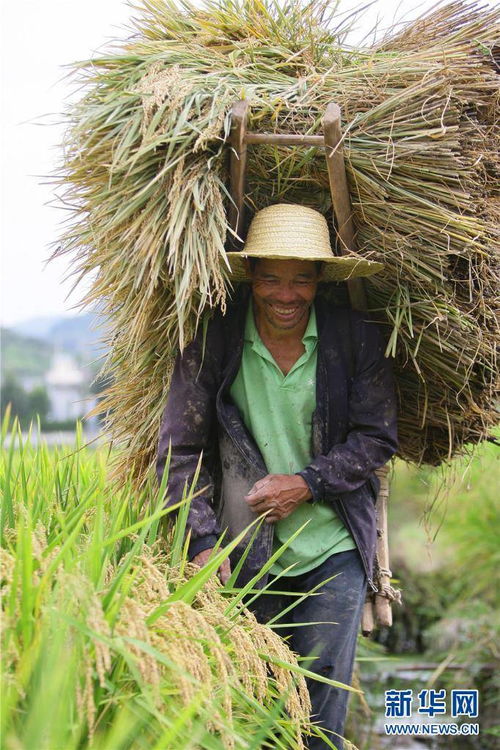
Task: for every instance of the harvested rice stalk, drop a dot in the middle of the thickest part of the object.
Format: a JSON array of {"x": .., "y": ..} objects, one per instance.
[{"x": 145, "y": 170}]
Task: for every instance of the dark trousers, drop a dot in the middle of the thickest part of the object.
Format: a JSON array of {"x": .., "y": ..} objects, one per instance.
[{"x": 333, "y": 646}]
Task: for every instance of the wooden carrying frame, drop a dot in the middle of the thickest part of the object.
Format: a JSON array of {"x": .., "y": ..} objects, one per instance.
[{"x": 377, "y": 609}]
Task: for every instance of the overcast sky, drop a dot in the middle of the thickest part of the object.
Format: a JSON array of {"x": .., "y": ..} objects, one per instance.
[{"x": 38, "y": 39}]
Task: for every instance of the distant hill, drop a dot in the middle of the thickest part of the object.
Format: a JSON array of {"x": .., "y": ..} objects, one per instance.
[
  {"x": 36, "y": 328},
  {"x": 27, "y": 347},
  {"x": 80, "y": 335},
  {"x": 24, "y": 355}
]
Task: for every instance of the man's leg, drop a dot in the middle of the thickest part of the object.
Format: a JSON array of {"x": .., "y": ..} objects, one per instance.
[
  {"x": 269, "y": 605},
  {"x": 341, "y": 601}
]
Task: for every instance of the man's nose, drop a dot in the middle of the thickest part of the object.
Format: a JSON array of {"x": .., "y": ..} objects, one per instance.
[{"x": 286, "y": 293}]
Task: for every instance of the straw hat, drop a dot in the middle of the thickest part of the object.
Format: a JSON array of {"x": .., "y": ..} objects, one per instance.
[{"x": 289, "y": 231}]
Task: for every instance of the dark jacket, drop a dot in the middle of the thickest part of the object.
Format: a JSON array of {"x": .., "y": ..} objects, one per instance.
[{"x": 353, "y": 431}]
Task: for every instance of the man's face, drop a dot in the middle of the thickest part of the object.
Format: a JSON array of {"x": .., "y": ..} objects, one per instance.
[{"x": 283, "y": 291}]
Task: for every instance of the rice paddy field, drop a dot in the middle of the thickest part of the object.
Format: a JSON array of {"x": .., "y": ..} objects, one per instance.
[{"x": 111, "y": 639}]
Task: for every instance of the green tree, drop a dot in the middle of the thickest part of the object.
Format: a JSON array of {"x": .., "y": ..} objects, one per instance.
[
  {"x": 39, "y": 403},
  {"x": 14, "y": 394}
]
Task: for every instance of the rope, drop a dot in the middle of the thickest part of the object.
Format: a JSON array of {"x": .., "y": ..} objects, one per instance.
[
  {"x": 384, "y": 587},
  {"x": 389, "y": 592},
  {"x": 384, "y": 572}
]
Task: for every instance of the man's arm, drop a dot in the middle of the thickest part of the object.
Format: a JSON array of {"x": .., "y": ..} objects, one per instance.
[
  {"x": 188, "y": 430},
  {"x": 372, "y": 428}
]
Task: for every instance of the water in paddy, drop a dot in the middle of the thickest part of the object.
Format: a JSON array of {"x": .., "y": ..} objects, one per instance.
[{"x": 408, "y": 672}]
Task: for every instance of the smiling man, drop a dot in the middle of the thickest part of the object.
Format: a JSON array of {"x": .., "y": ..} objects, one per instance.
[{"x": 291, "y": 402}]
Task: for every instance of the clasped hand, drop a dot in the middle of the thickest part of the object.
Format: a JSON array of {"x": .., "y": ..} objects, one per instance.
[{"x": 279, "y": 494}]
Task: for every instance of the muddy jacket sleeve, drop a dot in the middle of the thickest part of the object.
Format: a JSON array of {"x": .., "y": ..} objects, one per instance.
[
  {"x": 371, "y": 437},
  {"x": 188, "y": 430}
]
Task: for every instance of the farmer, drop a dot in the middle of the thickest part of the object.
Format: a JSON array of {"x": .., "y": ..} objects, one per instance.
[{"x": 291, "y": 403}]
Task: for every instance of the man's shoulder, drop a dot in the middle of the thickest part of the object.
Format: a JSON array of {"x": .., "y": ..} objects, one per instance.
[
  {"x": 353, "y": 333},
  {"x": 231, "y": 317},
  {"x": 340, "y": 320},
  {"x": 342, "y": 315},
  {"x": 220, "y": 330}
]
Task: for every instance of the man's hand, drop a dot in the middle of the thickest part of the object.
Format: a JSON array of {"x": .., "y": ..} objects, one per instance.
[
  {"x": 224, "y": 571},
  {"x": 278, "y": 493}
]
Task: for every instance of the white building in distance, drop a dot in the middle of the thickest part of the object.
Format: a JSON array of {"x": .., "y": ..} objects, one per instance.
[{"x": 66, "y": 389}]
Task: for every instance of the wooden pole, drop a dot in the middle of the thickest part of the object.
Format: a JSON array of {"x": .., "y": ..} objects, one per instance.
[
  {"x": 383, "y": 611},
  {"x": 379, "y": 608},
  {"x": 367, "y": 620},
  {"x": 283, "y": 139},
  {"x": 340, "y": 196},
  {"x": 239, "y": 115}
]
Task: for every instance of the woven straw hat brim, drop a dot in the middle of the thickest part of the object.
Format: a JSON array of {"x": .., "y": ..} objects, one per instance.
[
  {"x": 335, "y": 268},
  {"x": 286, "y": 231}
]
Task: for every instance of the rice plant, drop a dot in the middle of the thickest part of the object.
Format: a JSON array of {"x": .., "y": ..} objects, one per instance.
[{"x": 110, "y": 638}]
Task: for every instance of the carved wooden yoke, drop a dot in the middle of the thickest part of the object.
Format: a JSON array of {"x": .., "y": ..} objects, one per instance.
[{"x": 377, "y": 610}]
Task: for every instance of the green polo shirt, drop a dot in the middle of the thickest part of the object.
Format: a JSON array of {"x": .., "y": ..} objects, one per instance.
[{"x": 277, "y": 410}]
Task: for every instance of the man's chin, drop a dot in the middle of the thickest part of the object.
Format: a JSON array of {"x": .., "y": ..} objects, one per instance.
[{"x": 284, "y": 325}]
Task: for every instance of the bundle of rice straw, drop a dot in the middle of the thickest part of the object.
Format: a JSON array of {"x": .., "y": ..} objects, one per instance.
[{"x": 146, "y": 174}]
